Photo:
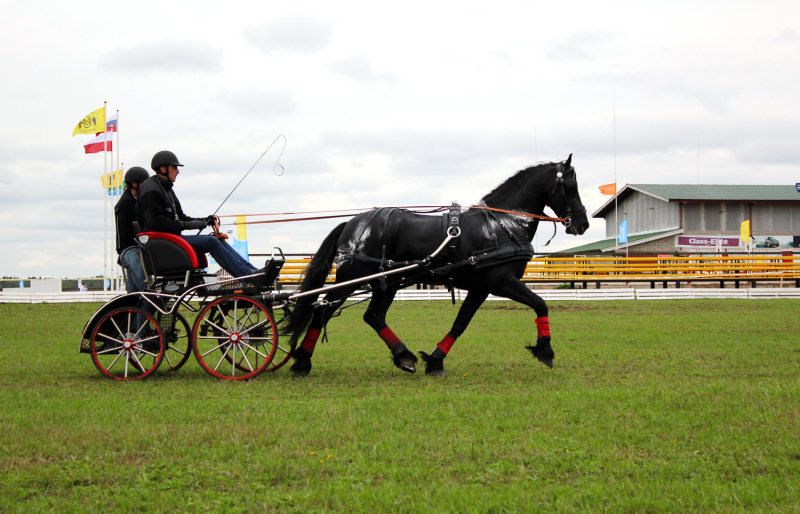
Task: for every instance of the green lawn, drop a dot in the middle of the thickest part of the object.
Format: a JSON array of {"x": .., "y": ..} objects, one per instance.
[{"x": 687, "y": 405}]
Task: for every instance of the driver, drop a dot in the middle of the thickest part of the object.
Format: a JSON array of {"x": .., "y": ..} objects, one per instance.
[{"x": 160, "y": 211}]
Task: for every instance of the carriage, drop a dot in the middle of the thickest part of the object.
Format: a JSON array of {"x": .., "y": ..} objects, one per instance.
[
  {"x": 235, "y": 334},
  {"x": 234, "y": 331}
]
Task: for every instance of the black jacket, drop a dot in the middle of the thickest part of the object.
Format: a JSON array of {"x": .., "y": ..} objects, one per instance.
[
  {"x": 124, "y": 216},
  {"x": 159, "y": 208}
]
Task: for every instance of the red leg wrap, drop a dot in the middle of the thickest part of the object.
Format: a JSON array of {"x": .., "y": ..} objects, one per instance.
[
  {"x": 310, "y": 341},
  {"x": 446, "y": 343},
  {"x": 389, "y": 337},
  {"x": 543, "y": 325}
]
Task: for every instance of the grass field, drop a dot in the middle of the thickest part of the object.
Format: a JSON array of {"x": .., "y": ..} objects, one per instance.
[{"x": 689, "y": 405}]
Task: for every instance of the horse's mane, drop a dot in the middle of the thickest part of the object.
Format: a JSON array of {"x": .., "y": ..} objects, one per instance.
[{"x": 513, "y": 183}]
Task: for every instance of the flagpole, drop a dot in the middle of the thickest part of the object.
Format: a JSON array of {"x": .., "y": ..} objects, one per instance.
[
  {"x": 105, "y": 202},
  {"x": 614, "y": 127},
  {"x": 115, "y": 147},
  {"x": 116, "y": 131}
]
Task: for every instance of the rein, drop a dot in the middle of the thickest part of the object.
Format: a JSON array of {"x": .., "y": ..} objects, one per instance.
[
  {"x": 431, "y": 209},
  {"x": 517, "y": 213}
]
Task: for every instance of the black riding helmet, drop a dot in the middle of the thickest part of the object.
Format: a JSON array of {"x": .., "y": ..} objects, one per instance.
[
  {"x": 135, "y": 174},
  {"x": 164, "y": 158}
]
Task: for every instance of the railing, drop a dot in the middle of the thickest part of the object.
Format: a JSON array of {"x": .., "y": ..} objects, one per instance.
[
  {"x": 571, "y": 270},
  {"x": 628, "y": 293},
  {"x": 737, "y": 268}
]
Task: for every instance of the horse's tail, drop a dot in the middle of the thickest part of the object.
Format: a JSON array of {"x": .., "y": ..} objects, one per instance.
[{"x": 313, "y": 278}]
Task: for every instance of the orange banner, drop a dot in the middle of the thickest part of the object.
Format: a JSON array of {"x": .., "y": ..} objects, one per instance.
[{"x": 609, "y": 189}]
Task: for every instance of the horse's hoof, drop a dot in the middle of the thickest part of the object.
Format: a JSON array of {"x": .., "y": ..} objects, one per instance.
[
  {"x": 545, "y": 355},
  {"x": 301, "y": 368},
  {"x": 406, "y": 365},
  {"x": 405, "y": 360},
  {"x": 434, "y": 367},
  {"x": 300, "y": 372},
  {"x": 302, "y": 363}
]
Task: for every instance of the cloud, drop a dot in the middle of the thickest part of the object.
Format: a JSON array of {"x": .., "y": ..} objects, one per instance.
[
  {"x": 359, "y": 69},
  {"x": 260, "y": 104},
  {"x": 296, "y": 33},
  {"x": 580, "y": 46},
  {"x": 789, "y": 35},
  {"x": 169, "y": 56}
]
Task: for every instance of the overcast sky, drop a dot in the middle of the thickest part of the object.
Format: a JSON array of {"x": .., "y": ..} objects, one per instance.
[{"x": 402, "y": 104}]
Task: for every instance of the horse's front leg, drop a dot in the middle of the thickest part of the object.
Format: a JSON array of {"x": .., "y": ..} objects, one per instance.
[
  {"x": 510, "y": 287},
  {"x": 434, "y": 363},
  {"x": 375, "y": 317}
]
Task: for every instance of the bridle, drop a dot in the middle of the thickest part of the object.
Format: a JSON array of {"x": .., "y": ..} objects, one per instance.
[{"x": 561, "y": 188}]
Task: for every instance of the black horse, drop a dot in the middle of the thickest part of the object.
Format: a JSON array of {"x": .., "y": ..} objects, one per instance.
[{"x": 488, "y": 256}]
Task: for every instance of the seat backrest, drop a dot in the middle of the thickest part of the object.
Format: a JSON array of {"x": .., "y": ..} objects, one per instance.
[{"x": 165, "y": 253}]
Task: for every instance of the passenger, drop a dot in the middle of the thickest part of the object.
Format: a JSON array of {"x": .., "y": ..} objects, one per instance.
[
  {"x": 160, "y": 211},
  {"x": 130, "y": 255}
]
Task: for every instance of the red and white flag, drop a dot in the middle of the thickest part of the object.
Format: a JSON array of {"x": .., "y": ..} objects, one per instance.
[
  {"x": 96, "y": 144},
  {"x": 111, "y": 122}
]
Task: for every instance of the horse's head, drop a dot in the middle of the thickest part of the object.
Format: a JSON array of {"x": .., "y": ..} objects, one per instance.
[{"x": 564, "y": 199}]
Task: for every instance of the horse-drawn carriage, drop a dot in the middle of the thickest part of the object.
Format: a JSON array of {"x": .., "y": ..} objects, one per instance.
[{"x": 235, "y": 332}]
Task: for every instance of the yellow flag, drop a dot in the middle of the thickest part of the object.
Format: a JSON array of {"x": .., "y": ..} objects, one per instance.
[
  {"x": 241, "y": 228},
  {"x": 92, "y": 123},
  {"x": 745, "y": 231},
  {"x": 103, "y": 180}
]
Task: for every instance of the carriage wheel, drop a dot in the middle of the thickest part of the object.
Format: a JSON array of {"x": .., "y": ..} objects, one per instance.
[
  {"x": 282, "y": 352},
  {"x": 127, "y": 344},
  {"x": 178, "y": 343},
  {"x": 234, "y": 337}
]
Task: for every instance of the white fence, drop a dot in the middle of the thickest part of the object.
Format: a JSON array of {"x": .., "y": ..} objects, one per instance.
[{"x": 442, "y": 294}]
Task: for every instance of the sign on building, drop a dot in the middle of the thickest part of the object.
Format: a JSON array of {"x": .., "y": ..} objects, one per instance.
[{"x": 707, "y": 241}]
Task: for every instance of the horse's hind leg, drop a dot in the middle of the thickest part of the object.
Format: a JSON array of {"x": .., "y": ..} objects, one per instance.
[
  {"x": 322, "y": 314},
  {"x": 375, "y": 317},
  {"x": 513, "y": 289},
  {"x": 434, "y": 363}
]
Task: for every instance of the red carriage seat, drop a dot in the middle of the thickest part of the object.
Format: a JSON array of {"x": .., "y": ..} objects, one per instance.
[{"x": 168, "y": 254}]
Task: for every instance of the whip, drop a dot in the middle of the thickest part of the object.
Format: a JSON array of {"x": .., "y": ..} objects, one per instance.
[{"x": 274, "y": 169}]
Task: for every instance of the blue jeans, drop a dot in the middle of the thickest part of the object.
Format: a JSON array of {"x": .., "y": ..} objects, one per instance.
[
  {"x": 223, "y": 253},
  {"x": 131, "y": 260}
]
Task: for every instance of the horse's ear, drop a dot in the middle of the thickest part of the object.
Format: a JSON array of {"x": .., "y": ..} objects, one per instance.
[{"x": 569, "y": 160}]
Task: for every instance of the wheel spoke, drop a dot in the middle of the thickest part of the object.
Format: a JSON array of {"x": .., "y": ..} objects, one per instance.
[
  {"x": 224, "y": 354},
  {"x": 254, "y": 349},
  {"x": 215, "y": 349},
  {"x": 244, "y": 357}
]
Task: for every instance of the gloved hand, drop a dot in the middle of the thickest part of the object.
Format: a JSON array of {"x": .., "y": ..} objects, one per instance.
[
  {"x": 210, "y": 220},
  {"x": 193, "y": 225}
]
